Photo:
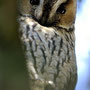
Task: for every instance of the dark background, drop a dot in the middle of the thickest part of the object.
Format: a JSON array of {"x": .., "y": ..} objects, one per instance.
[{"x": 13, "y": 72}]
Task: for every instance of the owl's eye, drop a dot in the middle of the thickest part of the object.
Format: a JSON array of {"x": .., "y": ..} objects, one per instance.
[
  {"x": 61, "y": 9},
  {"x": 34, "y": 2}
]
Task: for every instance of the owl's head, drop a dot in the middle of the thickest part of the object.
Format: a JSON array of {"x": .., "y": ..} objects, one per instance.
[{"x": 59, "y": 13}]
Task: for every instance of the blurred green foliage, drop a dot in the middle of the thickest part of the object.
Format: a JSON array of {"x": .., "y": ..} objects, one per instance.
[{"x": 13, "y": 72}]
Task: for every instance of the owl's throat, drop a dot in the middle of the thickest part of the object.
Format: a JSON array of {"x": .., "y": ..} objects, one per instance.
[{"x": 44, "y": 22}]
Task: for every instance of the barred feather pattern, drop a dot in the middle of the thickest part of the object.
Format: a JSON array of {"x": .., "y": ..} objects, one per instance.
[{"x": 50, "y": 55}]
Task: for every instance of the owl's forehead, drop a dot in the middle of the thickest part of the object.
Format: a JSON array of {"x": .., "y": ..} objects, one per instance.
[
  {"x": 48, "y": 5},
  {"x": 52, "y": 2}
]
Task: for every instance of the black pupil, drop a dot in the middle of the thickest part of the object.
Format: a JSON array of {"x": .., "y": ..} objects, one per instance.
[
  {"x": 34, "y": 2},
  {"x": 61, "y": 9}
]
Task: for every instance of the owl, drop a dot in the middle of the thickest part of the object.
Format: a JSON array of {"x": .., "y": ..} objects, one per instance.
[{"x": 46, "y": 30}]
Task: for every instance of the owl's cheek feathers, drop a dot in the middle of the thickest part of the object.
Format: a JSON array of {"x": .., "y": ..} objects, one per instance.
[{"x": 68, "y": 19}]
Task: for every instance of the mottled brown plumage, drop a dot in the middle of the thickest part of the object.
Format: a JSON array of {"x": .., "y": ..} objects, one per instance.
[{"x": 47, "y": 35}]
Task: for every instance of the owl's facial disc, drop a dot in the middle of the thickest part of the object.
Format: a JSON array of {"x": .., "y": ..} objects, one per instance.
[
  {"x": 44, "y": 11},
  {"x": 53, "y": 12}
]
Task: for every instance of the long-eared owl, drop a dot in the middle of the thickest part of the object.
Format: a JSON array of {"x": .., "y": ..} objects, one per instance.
[{"x": 47, "y": 35}]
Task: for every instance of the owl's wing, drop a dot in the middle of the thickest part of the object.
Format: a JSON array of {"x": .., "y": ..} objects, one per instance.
[{"x": 47, "y": 55}]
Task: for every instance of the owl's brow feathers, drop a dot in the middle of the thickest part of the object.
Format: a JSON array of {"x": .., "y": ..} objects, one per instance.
[{"x": 49, "y": 6}]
